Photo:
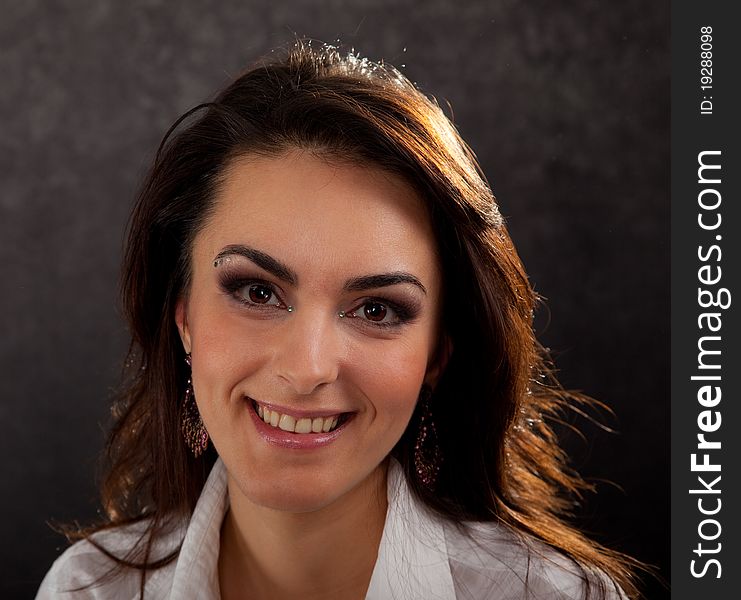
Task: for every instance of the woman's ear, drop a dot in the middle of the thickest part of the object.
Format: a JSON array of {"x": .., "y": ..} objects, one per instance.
[
  {"x": 439, "y": 361},
  {"x": 181, "y": 320}
]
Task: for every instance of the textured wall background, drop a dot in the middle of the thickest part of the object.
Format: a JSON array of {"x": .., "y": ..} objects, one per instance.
[{"x": 566, "y": 105}]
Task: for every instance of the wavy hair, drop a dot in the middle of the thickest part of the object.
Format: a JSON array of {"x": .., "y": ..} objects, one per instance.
[{"x": 505, "y": 464}]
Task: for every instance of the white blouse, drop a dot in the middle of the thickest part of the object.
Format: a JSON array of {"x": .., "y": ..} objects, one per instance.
[{"x": 421, "y": 557}]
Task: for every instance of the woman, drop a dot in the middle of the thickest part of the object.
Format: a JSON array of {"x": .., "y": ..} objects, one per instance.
[{"x": 335, "y": 390}]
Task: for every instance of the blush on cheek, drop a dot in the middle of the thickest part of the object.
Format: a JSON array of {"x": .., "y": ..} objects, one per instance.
[
  {"x": 224, "y": 345},
  {"x": 407, "y": 365},
  {"x": 398, "y": 387}
]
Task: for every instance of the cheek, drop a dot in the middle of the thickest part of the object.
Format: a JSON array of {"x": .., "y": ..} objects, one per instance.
[
  {"x": 224, "y": 352},
  {"x": 392, "y": 375}
]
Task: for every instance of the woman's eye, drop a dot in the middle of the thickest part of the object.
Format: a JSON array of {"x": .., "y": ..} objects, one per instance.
[
  {"x": 256, "y": 293},
  {"x": 378, "y": 313},
  {"x": 375, "y": 311}
]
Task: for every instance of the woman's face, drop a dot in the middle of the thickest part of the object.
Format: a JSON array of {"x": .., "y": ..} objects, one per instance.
[{"x": 337, "y": 391}]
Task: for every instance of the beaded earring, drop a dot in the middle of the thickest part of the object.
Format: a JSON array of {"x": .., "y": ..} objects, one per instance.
[
  {"x": 191, "y": 424},
  {"x": 427, "y": 455}
]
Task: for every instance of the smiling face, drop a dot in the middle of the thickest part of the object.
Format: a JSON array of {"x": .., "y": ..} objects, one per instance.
[{"x": 337, "y": 376}]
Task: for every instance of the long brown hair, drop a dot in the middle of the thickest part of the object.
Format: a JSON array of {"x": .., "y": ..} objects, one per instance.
[{"x": 504, "y": 464}]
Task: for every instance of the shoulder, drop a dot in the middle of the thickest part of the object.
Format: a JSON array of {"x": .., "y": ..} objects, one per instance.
[
  {"x": 493, "y": 560},
  {"x": 80, "y": 572}
]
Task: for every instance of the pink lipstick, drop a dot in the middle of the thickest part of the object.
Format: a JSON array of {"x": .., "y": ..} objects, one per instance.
[{"x": 316, "y": 429}]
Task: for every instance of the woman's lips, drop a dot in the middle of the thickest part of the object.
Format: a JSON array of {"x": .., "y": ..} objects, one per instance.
[{"x": 297, "y": 429}]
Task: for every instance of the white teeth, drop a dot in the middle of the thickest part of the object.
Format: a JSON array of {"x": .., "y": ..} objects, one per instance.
[
  {"x": 291, "y": 424},
  {"x": 286, "y": 423},
  {"x": 303, "y": 426}
]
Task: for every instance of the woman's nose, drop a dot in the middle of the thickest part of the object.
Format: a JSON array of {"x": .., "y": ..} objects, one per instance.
[{"x": 308, "y": 350}]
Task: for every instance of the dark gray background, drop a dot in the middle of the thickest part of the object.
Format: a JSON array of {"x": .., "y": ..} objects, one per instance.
[{"x": 565, "y": 104}]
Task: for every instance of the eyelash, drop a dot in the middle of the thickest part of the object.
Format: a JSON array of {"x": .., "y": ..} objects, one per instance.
[{"x": 233, "y": 285}]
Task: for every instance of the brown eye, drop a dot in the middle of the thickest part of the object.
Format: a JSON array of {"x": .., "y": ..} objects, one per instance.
[
  {"x": 374, "y": 311},
  {"x": 383, "y": 314},
  {"x": 259, "y": 294},
  {"x": 252, "y": 293}
]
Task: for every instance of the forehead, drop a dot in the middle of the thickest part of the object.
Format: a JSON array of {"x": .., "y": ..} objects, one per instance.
[{"x": 307, "y": 211}]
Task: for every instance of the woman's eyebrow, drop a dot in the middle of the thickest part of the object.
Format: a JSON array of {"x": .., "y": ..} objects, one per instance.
[
  {"x": 366, "y": 282},
  {"x": 262, "y": 260},
  {"x": 285, "y": 273}
]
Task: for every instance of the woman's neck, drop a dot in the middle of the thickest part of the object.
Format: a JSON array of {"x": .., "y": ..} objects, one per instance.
[{"x": 329, "y": 553}]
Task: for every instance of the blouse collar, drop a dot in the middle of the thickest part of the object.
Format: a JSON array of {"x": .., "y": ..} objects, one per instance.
[{"x": 412, "y": 558}]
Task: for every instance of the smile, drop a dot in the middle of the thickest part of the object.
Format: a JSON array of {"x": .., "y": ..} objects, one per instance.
[{"x": 299, "y": 425}]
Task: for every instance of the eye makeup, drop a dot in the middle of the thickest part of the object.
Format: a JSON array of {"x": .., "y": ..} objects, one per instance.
[
  {"x": 405, "y": 312},
  {"x": 233, "y": 283}
]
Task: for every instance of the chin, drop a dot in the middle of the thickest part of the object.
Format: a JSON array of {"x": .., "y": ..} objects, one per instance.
[
  {"x": 308, "y": 488},
  {"x": 293, "y": 496}
]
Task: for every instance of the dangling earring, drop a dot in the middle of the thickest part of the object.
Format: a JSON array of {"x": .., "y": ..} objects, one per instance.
[
  {"x": 427, "y": 455},
  {"x": 191, "y": 424}
]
